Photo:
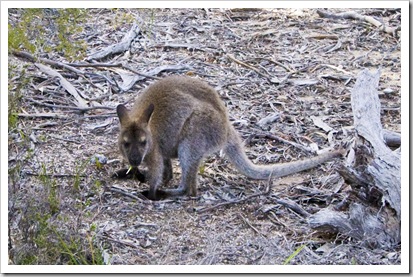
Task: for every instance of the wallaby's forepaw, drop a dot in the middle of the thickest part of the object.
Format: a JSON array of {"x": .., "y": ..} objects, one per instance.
[{"x": 133, "y": 173}]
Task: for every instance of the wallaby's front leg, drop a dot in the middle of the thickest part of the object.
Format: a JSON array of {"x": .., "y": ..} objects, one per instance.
[{"x": 155, "y": 173}]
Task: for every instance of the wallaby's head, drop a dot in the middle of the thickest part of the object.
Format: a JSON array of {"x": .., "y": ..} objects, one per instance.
[{"x": 135, "y": 137}]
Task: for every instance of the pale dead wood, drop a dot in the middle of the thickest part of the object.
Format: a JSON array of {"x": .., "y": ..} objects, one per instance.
[
  {"x": 248, "y": 66},
  {"x": 70, "y": 107},
  {"x": 360, "y": 224},
  {"x": 247, "y": 222},
  {"x": 278, "y": 138},
  {"x": 65, "y": 83},
  {"x": 385, "y": 168},
  {"x": 354, "y": 15},
  {"x": 322, "y": 36},
  {"x": 129, "y": 80},
  {"x": 69, "y": 66},
  {"x": 42, "y": 115},
  {"x": 289, "y": 204},
  {"x": 120, "y": 47},
  {"x": 266, "y": 191},
  {"x": 392, "y": 139},
  {"x": 125, "y": 193},
  {"x": 374, "y": 176},
  {"x": 33, "y": 59},
  {"x": 96, "y": 64}
]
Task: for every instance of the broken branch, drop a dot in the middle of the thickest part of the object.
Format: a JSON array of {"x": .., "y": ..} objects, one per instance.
[{"x": 354, "y": 15}]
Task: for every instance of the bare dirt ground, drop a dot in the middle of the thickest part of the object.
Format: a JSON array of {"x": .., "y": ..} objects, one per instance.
[{"x": 280, "y": 73}]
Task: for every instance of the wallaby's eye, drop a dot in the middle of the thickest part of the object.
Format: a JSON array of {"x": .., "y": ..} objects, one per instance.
[{"x": 142, "y": 140}]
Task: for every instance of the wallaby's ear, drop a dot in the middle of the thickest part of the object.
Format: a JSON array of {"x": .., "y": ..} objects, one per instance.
[
  {"x": 148, "y": 113},
  {"x": 123, "y": 113}
]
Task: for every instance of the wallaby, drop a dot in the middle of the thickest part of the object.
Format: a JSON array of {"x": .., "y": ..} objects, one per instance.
[{"x": 183, "y": 117}]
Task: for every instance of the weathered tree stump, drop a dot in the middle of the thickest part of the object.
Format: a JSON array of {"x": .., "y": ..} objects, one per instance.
[{"x": 373, "y": 172}]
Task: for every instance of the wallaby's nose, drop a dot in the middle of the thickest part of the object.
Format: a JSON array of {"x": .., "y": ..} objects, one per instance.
[{"x": 134, "y": 162}]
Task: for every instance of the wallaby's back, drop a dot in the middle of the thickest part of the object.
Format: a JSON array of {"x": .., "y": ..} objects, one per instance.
[{"x": 177, "y": 100}]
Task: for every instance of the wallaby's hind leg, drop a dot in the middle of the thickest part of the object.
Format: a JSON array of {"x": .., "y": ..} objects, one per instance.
[
  {"x": 190, "y": 160},
  {"x": 204, "y": 132},
  {"x": 167, "y": 170},
  {"x": 189, "y": 181}
]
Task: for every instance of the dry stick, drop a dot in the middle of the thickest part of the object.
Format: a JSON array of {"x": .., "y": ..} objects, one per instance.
[
  {"x": 120, "y": 47},
  {"x": 127, "y": 243},
  {"x": 71, "y": 107},
  {"x": 248, "y": 66},
  {"x": 354, "y": 15},
  {"x": 391, "y": 138},
  {"x": 292, "y": 205},
  {"x": 279, "y": 64},
  {"x": 95, "y": 64},
  {"x": 42, "y": 115},
  {"x": 121, "y": 191},
  {"x": 65, "y": 83},
  {"x": 120, "y": 65},
  {"x": 33, "y": 59},
  {"x": 271, "y": 136},
  {"x": 151, "y": 73},
  {"x": 266, "y": 191},
  {"x": 64, "y": 139},
  {"x": 322, "y": 36},
  {"x": 139, "y": 73},
  {"x": 246, "y": 221},
  {"x": 70, "y": 67},
  {"x": 332, "y": 67},
  {"x": 52, "y": 175}
]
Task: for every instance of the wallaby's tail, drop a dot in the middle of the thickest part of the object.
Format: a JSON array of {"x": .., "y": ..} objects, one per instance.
[{"x": 235, "y": 153}]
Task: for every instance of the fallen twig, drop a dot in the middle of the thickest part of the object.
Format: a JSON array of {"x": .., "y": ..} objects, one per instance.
[
  {"x": 129, "y": 80},
  {"x": 68, "y": 66},
  {"x": 354, "y": 15},
  {"x": 71, "y": 107},
  {"x": 65, "y": 83},
  {"x": 248, "y": 66},
  {"x": 42, "y": 115},
  {"x": 246, "y": 221},
  {"x": 266, "y": 191},
  {"x": 125, "y": 193},
  {"x": 34, "y": 59},
  {"x": 272, "y": 136},
  {"x": 95, "y": 64},
  {"x": 291, "y": 205}
]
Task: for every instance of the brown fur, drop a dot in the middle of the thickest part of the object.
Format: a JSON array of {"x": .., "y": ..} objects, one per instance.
[{"x": 182, "y": 117}]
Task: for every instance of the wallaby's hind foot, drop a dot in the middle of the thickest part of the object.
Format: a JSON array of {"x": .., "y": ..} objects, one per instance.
[{"x": 160, "y": 195}]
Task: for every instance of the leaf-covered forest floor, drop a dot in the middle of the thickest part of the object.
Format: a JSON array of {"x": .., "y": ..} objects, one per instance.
[{"x": 285, "y": 76}]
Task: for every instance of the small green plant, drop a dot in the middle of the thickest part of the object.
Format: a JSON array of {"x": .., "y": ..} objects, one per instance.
[
  {"x": 80, "y": 169},
  {"x": 38, "y": 30},
  {"x": 54, "y": 247},
  {"x": 122, "y": 17},
  {"x": 18, "y": 80},
  {"x": 93, "y": 227},
  {"x": 79, "y": 254},
  {"x": 295, "y": 253},
  {"x": 50, "y": 185},
  {"x": 97, "y": 186}
]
